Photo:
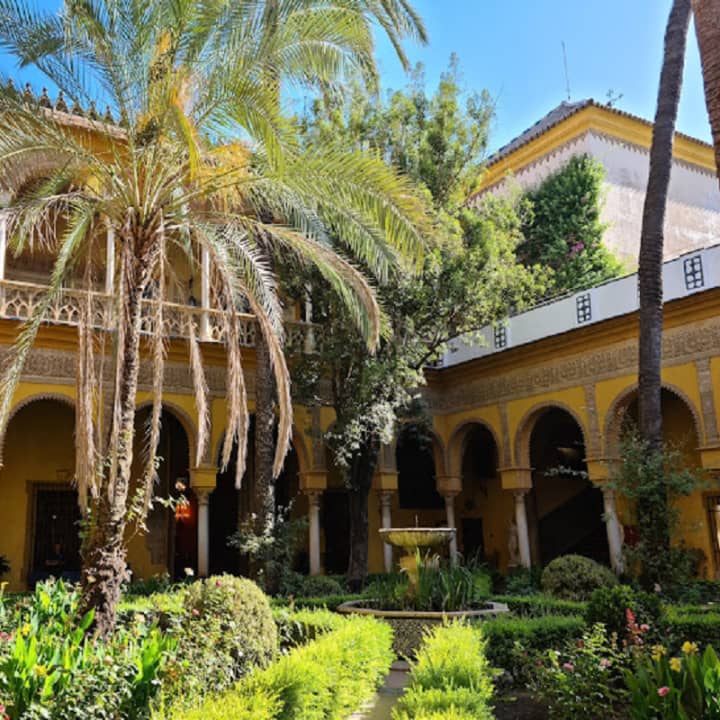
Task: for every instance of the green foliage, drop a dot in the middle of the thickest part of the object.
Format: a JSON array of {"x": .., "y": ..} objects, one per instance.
[
  {"x": 226, "y": 629},
  {"x": 313, "y": 586},
  {"x": 52, "y": 668},
  {"x": 699, "y": 591},
  {"x": 523, "y": 581},
  {"x": 609, "y": 605},
  {"x": 450, "y": 677},
  {"x": 329, "y": 602},
  {"x": 574, "y": 577},
  {"x": 680, "y": 626},
  {"x": 273, "y": 548},
  {"x": 441, "y": 588},
  {"x": 654, "y": 481},
  {"x": 324, "y": 680},
  {"x": 297, "y": 627},
  {"x": 563, "y": 230},
  {"x": 540, "y": 605},
  {"x": 676, "y": 688},
  {"x": 534, "y": 634},
  {"x": 583, "y": 679}
]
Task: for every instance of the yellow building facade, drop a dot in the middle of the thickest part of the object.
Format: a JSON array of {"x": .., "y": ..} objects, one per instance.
[{"x": 525, "y": 427}]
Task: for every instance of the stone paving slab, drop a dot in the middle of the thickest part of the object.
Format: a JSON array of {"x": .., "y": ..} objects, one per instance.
[{"x": 380, "y": 707}]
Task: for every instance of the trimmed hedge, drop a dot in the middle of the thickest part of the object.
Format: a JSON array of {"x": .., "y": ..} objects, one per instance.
[
  {"x": 702, "y": 628},
  {"x": 329, "y": 602},
  {"x": 539, "y": 634},
  {"x": 451, "y": 677},
  {"x": 297, "y": 627},
  {"x": 574, "y": 577},
  {"x": 327, "y": 678},
  {"x": 540, "y": 605}
]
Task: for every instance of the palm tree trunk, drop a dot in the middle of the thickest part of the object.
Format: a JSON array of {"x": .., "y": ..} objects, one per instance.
[
  {"x": 104, "y": 553},
  {"x": 651, "y": 240},
  {"x": 707, "y": 29}
]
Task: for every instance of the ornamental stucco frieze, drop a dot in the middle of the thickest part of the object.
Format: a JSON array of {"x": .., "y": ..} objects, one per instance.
[{"x": 680, "y": 345}]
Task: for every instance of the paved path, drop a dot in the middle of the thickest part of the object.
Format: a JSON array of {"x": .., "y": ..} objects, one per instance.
[{"x": 387, "y": 695}]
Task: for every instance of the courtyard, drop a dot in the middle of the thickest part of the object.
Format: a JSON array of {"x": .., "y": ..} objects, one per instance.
[{"x": 350, "y": 369}]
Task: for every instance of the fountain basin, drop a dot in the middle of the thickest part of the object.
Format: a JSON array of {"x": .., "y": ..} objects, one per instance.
[
  {"x": 417, "y": 537},
  {"x": 409, "y": 626}
]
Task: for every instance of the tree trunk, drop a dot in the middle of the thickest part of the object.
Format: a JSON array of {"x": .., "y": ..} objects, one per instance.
[
  {"x": 104, "y": 553},
  {"x": 360, "y": 477},
  {"x": 707, "y": 29},
  {"x": 264, "y": 490},
  {"x": 651, "y": 240}
]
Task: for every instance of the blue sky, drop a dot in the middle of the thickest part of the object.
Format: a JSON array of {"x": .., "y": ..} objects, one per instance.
[{"x": 513, "y": 49}]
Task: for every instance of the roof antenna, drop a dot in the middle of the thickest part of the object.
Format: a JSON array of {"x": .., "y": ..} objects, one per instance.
[{"x": 567, "y": 75}]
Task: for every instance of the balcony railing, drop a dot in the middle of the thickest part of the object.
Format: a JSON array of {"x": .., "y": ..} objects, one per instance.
[{"x": 21, "y": 300}]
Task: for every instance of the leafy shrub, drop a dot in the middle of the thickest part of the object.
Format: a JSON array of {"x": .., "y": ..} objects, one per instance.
[
  {"x": 52, "y": 668},
  {"x": 583, "y": 679},
  {"x": 226, "y": 629},
  {"x": 668, "y": 688},
  {"x": 679, "y": 627},
  {"x": 450, "y": 674},
  {"x": 534, "y": 634},
  {"x": 523, "y": 581},
  {"x": 540, "y": 605},
  {"x": 297, "y": 627},
  {"x": 318, "y": 586},
  {"x": 574, "y": 577},
  {"x": 700, "y": 591},
  {"x": 608, "y": 605},
  {"x": 329, "y": 602},
  {"x": 327, "y": 678}
]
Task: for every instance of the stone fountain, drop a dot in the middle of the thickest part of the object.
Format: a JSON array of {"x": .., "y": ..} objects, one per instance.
[{"x": 414, "y": 540}]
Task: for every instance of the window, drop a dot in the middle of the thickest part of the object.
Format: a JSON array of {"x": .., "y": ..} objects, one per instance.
[
  {"x": 500, "y": 333},
  {"x": 583, "y": 308},
  {"x": 712, "y": 506},
  {"x": 694, "y": 273}
]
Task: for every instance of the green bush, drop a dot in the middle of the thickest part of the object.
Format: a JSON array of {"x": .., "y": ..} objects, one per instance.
[
  {"x": 325, "y": 679},
  {"x": 330, "y": 602},
  {"x": 318, "y": 586},
  {"x": 52, "y": 667},
  {"x": 540, "y": 605},
  {"x": 450, "y": 675},
  {"x": 609, "y": 606},
  {"x": 523, "y": 581},
  {"x": 574, "y": 577},
  {"x": 297, "y": 627},
  {"x": 695, "y": 627},
  {"x": 226, "y": 629},
  {"x": 532, "y": 633}
]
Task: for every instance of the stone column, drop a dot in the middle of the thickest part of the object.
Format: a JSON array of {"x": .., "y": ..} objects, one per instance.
[
  {"x": 386, "y": 522},
  {"x": 110, "y": 261},
  {"x": 614, "y": 531},
  {"x": 205, "y": 294},
  {"x": 203, "y": 530},
  {"x": 202, "y": 481},
  {"x": 450, "y": 515},
  {"x": 314, "y": 531},
  {"x": 522, "y": 528}
]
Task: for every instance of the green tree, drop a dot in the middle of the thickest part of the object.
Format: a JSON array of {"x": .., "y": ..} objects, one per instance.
[
  {"x": 563, "y": 230},
  {"x": 470, "y": 276},
  {"x": 203, "y": 162}
]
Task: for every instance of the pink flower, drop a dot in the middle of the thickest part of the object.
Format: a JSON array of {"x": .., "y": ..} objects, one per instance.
[
  {"x": 539, "y": 664},
  {"x": 568, "y": 666},
  {"x": 644, "y": 627},
  {"x": 604, "y": 663},
  {"x": 663, "y": 691},
  {"x": 195, "y": 612},
  {"x": 218, "y": 583}
]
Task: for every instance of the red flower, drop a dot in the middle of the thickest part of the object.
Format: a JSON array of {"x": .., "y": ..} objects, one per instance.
[{"x": 663, "y": 691}]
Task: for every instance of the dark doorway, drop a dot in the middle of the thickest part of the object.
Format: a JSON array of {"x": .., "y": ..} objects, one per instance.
[
  {"x": 473, "y": 544},
  {"x": 336, "y": 521},
  {"x": 56, "y": 533},
  {"x": 416, "y": 471}
]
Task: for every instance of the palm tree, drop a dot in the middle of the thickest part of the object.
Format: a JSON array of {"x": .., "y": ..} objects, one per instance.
[
  {"x": 707, "y": 29},
  {"x": 202, "y": 162},
  {"x": 653, "y": 518}
]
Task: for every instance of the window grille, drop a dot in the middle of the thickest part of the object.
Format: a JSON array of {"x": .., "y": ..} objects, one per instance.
[
  {"x": 694, "y": 273},
  {"x": 583, "y": 308},
  {"x": 500, "y": 336}
]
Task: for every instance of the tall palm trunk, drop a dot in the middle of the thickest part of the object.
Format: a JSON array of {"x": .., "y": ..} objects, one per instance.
[
  {"x": 653, "y": 513},
  {"x": 104, "y": 555},
  {"x": 264, "y": 436},
  {"x": 707, "y": 29},
  {"x": 652, "y": 235}
]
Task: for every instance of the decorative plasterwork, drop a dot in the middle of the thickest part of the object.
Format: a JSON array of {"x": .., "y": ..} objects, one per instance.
[
  {"x": 679, "y": 345},
  {"x": 707, "y": 399}
]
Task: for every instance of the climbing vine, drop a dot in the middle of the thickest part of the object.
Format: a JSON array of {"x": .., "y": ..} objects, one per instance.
[{"x": 563, "y": 229}]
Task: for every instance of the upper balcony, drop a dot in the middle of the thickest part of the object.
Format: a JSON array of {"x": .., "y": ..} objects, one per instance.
[{"x": 686, "y": 275}]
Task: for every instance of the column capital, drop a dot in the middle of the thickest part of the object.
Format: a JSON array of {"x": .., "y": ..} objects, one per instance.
[
  {"x": 386, "y": 497},
  {"x": 449, "y": 485},
  {"x": 601, "y": 469},
  {"x": 516, "y": 478},
  {"x": 203, "y": 478},
  {"x": 313, "y": 481},
  {"x": 385, "y": 481},
  {"x": 313, "y": 495},
  {"x": 202, "y": 495}
]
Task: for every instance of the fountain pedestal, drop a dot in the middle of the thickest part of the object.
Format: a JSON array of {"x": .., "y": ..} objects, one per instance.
[{"x": 414, "y": 539}]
